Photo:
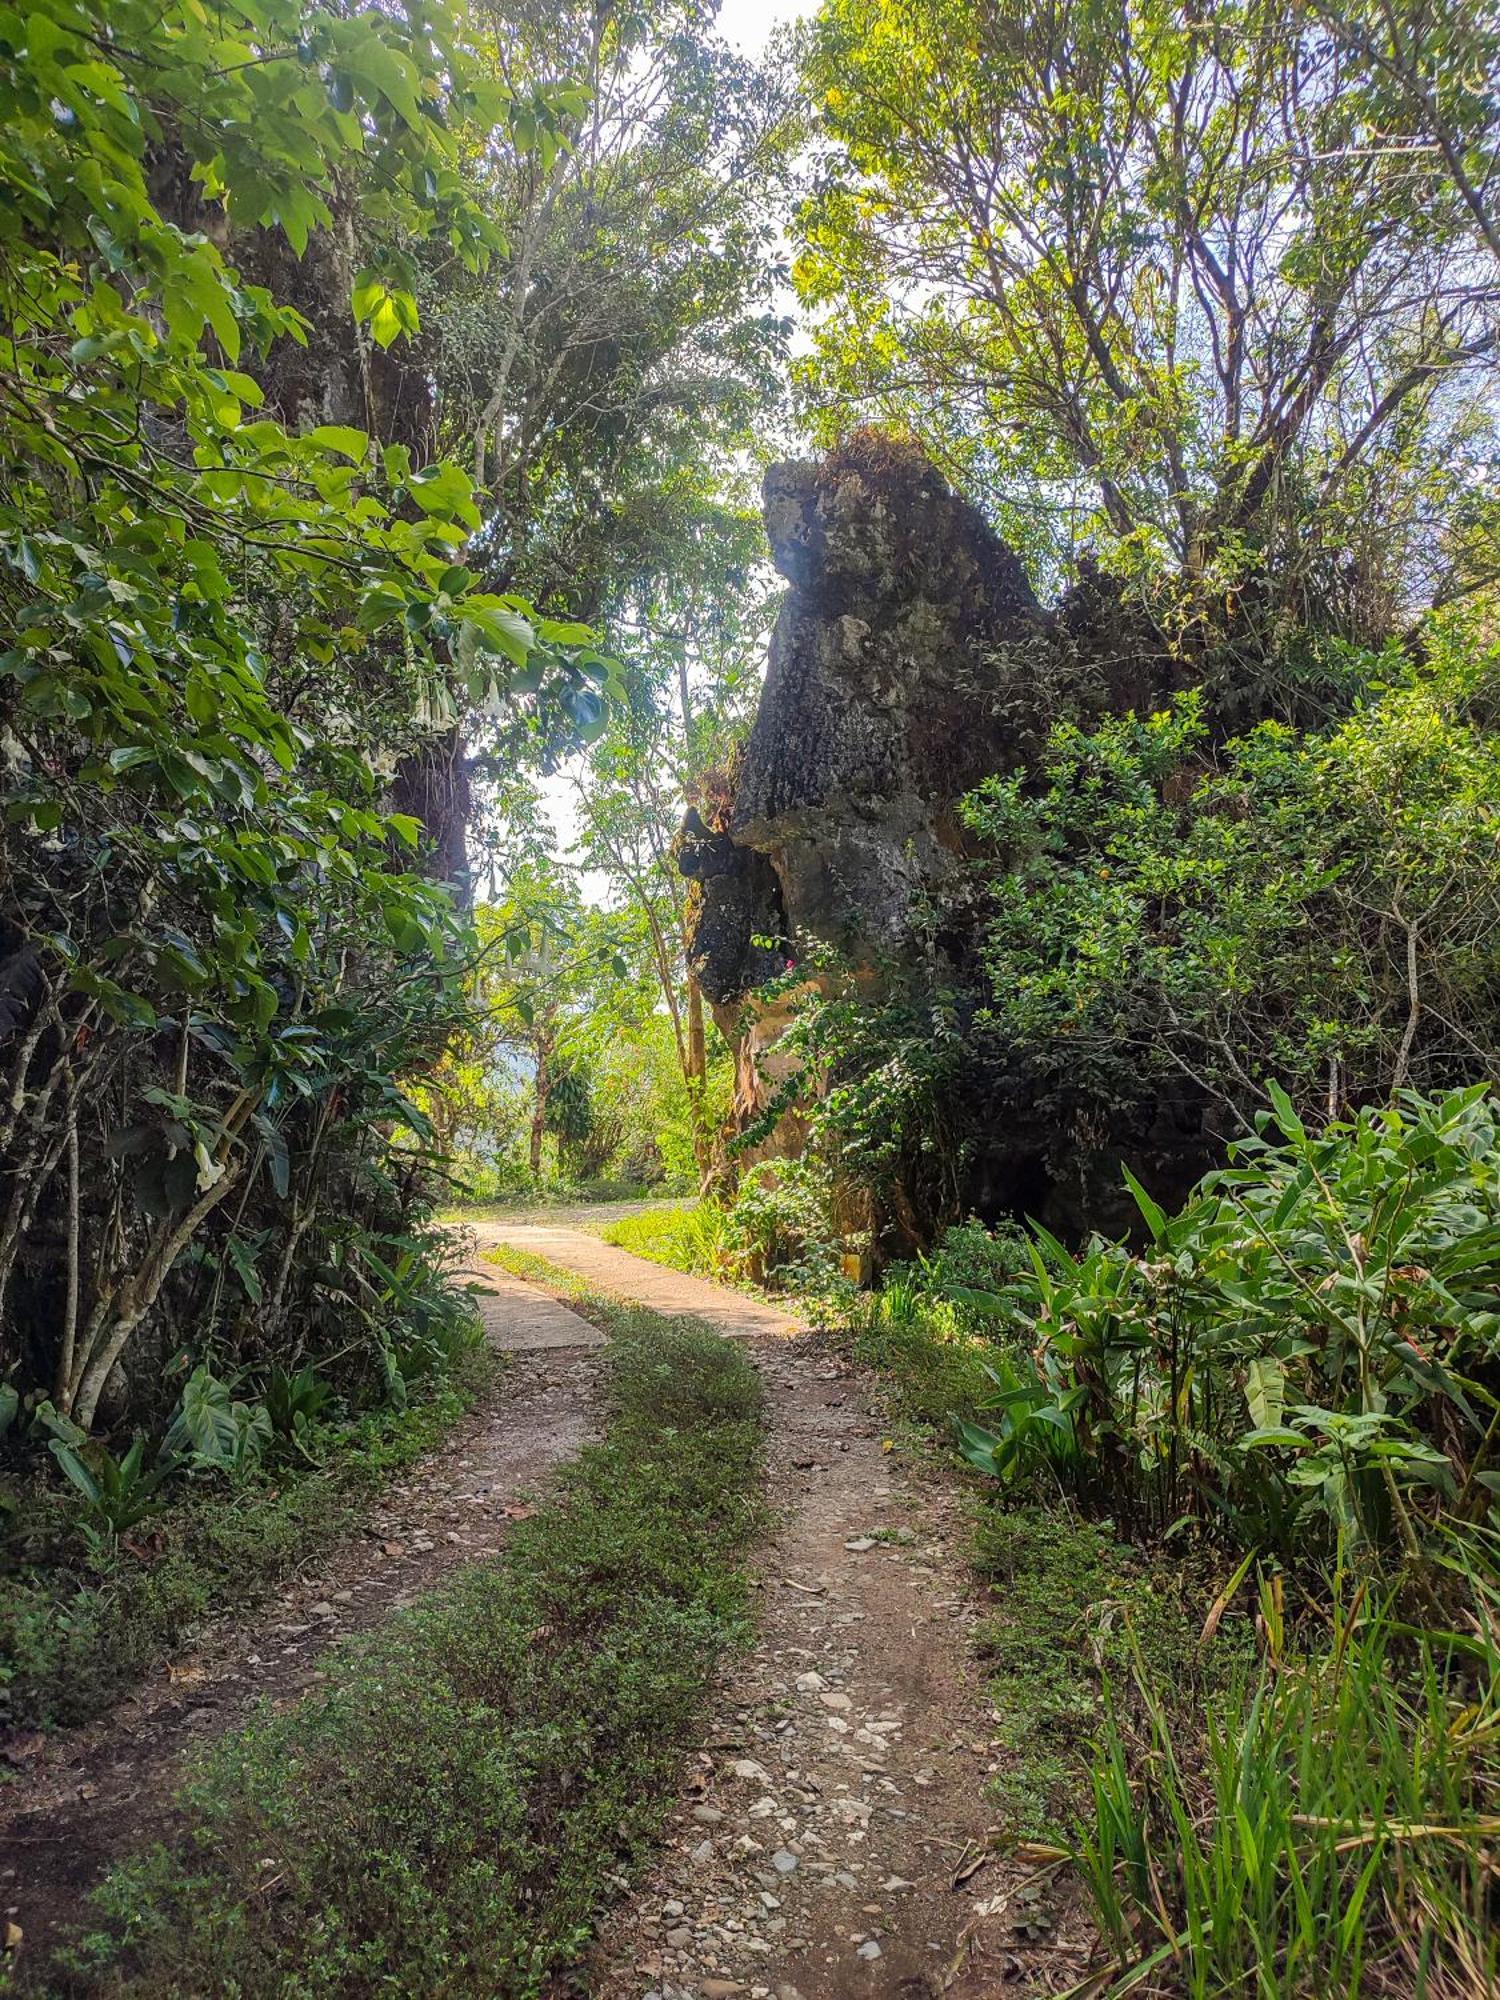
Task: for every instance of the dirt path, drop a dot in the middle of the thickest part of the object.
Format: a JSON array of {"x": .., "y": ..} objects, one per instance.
[
  {"x": 839, "y": 1794},
  {"x": 79, "y": 1798}
]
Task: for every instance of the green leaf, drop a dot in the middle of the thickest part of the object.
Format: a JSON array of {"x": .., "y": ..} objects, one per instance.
[{"x": 342, "y": 438}]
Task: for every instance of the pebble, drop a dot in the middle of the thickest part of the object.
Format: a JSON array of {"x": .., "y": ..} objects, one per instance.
[
  {"x": 869, "y": 1949},
  {"x": 783, "y": 1862}
]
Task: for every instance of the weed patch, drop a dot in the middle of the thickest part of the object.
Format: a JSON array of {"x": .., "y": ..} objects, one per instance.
[
  {"x": 1076, "y": 1613},
  {"x": 448, "y": 1816},
  {"x": 690, "y": 1237}
]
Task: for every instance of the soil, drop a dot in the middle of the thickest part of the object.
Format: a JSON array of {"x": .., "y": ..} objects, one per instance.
[{"x": 831, "y": 1841}]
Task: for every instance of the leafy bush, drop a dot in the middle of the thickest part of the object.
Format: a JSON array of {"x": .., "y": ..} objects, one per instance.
[
  {"x": 1323, "y": 907},
  {"x": 1308, "y": 1351},
  {"x": 783, "y": 1226},
  {"x": 968, "y": 1257}
]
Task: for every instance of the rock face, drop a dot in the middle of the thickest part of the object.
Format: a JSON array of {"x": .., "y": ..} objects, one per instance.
[
  {"x": 910, "y": 660},
  {"x": 881, "y": 708}
]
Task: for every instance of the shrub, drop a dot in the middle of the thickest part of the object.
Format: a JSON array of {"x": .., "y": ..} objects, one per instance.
[
  {"x": 1308, "y": 1351},
  {"x": 1319, "y": 907}
]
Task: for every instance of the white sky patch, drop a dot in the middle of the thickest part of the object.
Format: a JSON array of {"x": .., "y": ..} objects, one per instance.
[{"x": 747, "y": 24}]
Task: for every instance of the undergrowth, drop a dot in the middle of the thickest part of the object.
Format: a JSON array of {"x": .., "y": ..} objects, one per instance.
[
  {"x": 447, "y": 1816},
  {"x": 1072, "y": 1604},
  {"x": 78, "y": 1623},
  {"x": 690, "y": 1237}
]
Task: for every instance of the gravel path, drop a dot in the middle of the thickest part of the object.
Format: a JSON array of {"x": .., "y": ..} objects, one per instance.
[{"x": 833, "y": 1840}]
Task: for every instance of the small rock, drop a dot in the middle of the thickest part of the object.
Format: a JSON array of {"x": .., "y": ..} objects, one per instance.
[
  {"x": 707, "y": 1815},
  {"x": 857, "y": 1544},
  {"x": 811, "y": 1683},
  {"x": 894, "y": 1882},
  {"x": 703, "y": 1853},
  {"x": 869, "y": 1949},
  {"x": 680, "y": 1938},
  {"x": 835, "y": 1701},
  {"x": 784, "y": 1863},
  {"x": 672, "y": 1909}
]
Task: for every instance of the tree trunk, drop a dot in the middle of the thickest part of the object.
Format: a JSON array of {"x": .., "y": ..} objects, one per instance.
[{"x": 539, "y": 1113}]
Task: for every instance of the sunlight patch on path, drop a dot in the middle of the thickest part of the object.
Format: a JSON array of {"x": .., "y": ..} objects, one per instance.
[{"x": 733, "y": 1314}]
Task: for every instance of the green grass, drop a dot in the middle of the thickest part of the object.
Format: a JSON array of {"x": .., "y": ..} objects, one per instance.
[
  {"x": 933, "y": 1369},
  {"x": 1335, "y": 1836},
  {"x": 76, "y": 1627},
  {"x": 1323, "y": 1822},
  {"x": 1075, "y": 1611},
  {"x": 688, "y": 1237},
  {"x": 558, "y": 1199},
  {"x": 449, "y": 1815}
]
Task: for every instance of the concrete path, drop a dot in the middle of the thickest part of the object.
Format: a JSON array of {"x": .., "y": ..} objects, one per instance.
[
  {"x": 733, "y": 1314},
  {"x": 520, "y": 1318}
]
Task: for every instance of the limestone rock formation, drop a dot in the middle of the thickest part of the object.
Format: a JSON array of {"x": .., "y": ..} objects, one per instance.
[
  {"x": 880, "y": 709},
  {"x": 910, "y": 659}
]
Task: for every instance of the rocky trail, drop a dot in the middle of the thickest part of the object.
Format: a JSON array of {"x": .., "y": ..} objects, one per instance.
[{"x": 832, "y": 1837}]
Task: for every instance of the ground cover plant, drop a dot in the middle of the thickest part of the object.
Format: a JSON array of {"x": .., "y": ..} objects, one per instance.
[{"x": 452, "y": 1810}]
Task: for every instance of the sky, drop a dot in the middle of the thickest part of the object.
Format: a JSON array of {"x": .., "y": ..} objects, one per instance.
[{"x": 746, "y": 25}]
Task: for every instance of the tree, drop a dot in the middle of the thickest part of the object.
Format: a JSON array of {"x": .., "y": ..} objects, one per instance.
[
  {"x": 217, "y": 959},
  {"x": 691, "y": 649},
  {"x": 1150, "y": 278},
  {"x": 600, "y": 373}
]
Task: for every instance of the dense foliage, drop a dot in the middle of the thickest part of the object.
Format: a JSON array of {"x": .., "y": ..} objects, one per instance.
[
  {"x": 219, "y": 958},
  {"x": 1320, "y": 908},
  {"x": 1309, "y": 1351}
]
